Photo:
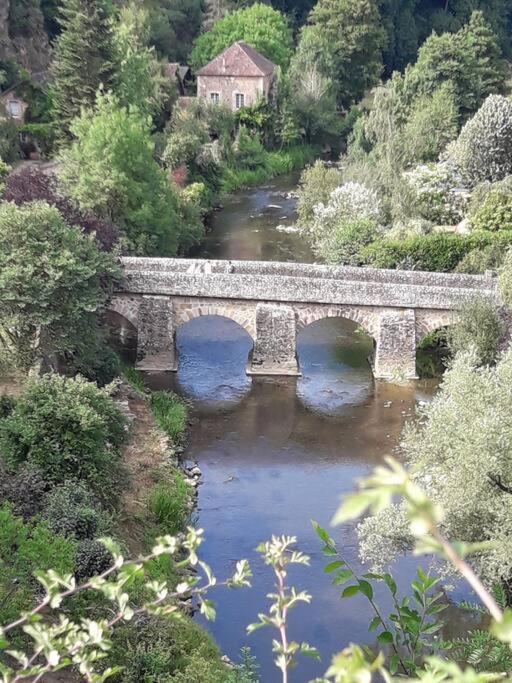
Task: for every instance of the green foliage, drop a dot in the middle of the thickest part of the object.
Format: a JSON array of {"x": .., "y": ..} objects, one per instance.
[
  {"x": 495, "y": 213},
  {"x": 42, "y": 135},
  {"x": 9, "y": 139},
  {"x": 67, "y": 428},
  {"x": 345, "y": 40},
  {"x": 166, "y": 650},
  {"x": 133, "y": 377},
  {"x": 170, "y": 413},
  {"x": 168, "y": 504},
  {"x": 174, "y": 25},
  {"x": 71, "y": 510},
  {"x": 483, "y": 150},
  {"x": 25, "y": 548},
  {"x": 315, "y": 185},
  {"x": 412, "y": 625},
  {"x": 4, "y": 172},
  {"x": 505, "y": 279},
  {"x": 139, "y": 79},
  {"x": 479, "y": 325},
  {"x": 477, "y": 261},
  {"x": 109, "y": 170},
  {"x": 440, "y": 252},
  {"x": 84, "y": 59},
  {"x": 53, "y": 281},
  {"x": 263, "y": 28},
  {"x": 459, "y": 452},
  {"x": 343, "y": 244},
  {"x": 91, "y": 559}
]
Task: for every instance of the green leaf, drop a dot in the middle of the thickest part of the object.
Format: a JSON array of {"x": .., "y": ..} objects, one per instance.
[
  {"x": 350, "y": 591},
  {"x": 352, "y": 507},
  {"x": 333, "y": 565},
  {"x": 366, "y": 589},
  {"x": 390, "y": 583},
  {"x": 342, "y": 577},
  {"x": 321, "y": 532},
  {"x": 393, "y": 664},
  {"x": 385, "y": 638},
  {"x": 374, "y": 623}
]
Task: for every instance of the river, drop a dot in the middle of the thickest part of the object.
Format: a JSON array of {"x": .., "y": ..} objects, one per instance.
[{"x": 277, "y": 453}]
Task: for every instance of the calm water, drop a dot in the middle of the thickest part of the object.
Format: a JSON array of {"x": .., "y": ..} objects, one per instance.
[{"x": 277, "y": 453}]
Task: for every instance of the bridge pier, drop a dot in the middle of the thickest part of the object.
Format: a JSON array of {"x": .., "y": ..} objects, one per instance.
[
  {"x": 395, "y": 352},
  {"x": 156, "y": 339},
  {"x": 275, "y": 346}
]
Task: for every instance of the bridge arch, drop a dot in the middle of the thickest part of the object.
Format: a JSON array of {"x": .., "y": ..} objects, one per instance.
[
  {"x": 127, "y": 307},
  {"x": 430, "y": 321},
  {"x": 367, "y": 320},
  {"x": 240, "y": 313}
]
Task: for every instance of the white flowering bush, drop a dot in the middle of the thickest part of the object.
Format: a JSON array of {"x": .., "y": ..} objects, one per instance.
[
  {"x": 483, "y": 150},
  {"x": 460, "y": 452},
  {"x": 440, "y": 195},
  {"x": 348, "y": 202}
]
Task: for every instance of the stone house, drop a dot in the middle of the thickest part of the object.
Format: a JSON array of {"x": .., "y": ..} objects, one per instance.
[
  {"x": 237, "y": 77},
  {"x": 15, "y": 106}
]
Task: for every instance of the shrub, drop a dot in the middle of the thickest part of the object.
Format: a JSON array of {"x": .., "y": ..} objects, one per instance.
[
  {"x": 9, "y": 139},
  {"x": 437, "y": 252},
  {"x": 73, "y": 511},
  {"x": 483, "y": 150},
  {"x": 505, "y": 279},
  {"x": 480, "y": 326},
  {"x": 25, "y": 548},
  {"x": 68, "y": 428},
  {"x": 477, "y": 261},
  {"x": 91, "y": 559},
  {"x": 157, "y": 649},
  {"x": 495, "y": 213},
  {"x": 29, "y": 184},
  {"x": 170, "y": 414},
  {"x": 344, "y": 242},
  {"x": 438, "y": 193},
  {"x": 168, "y": 504},
  {"x": 24, "y": 489},
  {"x": 315, "y": 186}
]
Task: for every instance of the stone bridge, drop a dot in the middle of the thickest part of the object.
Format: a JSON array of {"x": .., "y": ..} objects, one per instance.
[{"x": 273, "y": 301}]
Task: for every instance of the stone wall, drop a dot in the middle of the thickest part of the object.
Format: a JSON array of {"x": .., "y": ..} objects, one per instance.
[{"x": 253, "y": 88}]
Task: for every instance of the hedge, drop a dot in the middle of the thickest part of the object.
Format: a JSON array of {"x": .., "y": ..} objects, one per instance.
[{"x": 439, "y": 252}]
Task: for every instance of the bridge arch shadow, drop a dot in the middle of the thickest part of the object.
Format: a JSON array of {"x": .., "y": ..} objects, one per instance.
[
  {"x": 334, "y": 354},
  {"x": 212, "y": 354},
  {"x": 121, "y": 334}
]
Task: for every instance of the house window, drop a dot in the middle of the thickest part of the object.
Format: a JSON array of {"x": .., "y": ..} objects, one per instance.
[
  {"x": 214, "y": 97},
  {"x": 14, "y": 108},
  {"x": 239, "y": 100}
]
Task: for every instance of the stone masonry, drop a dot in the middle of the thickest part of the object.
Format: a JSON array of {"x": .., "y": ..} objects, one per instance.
[{"x": 273, "y": 301}]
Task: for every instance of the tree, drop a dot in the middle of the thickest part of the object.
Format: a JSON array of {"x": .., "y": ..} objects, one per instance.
[
  {"x": 109, "y": 170},
  {"x": 351, "y": 39},
  {"x": 483, "y": 150},
  {"x": 139, "y": 79},
  {"x": 174, "y": 24},
  {"x": 459, "y": 451},
  {"x": 83, "y": 59},
  {"x": 260, "y": 26},
  {"x": 53, "y": 282},
  {"x": 468, "y": 60},
  {"x": 479, "y": 326}
]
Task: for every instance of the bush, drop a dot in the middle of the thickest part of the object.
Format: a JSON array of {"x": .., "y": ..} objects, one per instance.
[
  {"x": 157, "y": 649},
  {"x": 315, "y": 186},
  {"x": 9, "y": 139},
  {"x": 25, "y": 548},
  {"x": 91, "y": 559},
  {"x": 24, "y": 489},
  {"x": 73, "y": 511},
  {"x": 68, "y": 428},
  {"x": 505, "y": 279},
  {"x": 438, "y": 252},
  {"x": 170, "y": 414},
  {"x": 477, "y": 261},
  {"x": 483, "y": 150},
  {"x": 495, "y": 213},
  {"x": 42, "y": 136},
  {"x": 438, "y": 193},
  {"x": 343, "y": 244},
  {"x": 480, "y": 326},
  {"x": 168, "y": 504}
]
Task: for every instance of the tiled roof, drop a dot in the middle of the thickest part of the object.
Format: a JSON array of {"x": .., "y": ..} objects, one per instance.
[{"x": 239, "y": 59}]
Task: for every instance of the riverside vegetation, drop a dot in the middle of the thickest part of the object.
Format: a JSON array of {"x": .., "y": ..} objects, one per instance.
[{"x": 426, "y": 149}]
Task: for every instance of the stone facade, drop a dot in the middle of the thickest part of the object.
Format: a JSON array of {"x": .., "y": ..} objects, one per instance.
[
  {"x": 273, "y": 301},
  {"x": 237, "y": 77}
]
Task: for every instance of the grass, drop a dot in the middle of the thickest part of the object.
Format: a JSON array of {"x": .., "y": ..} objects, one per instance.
[
  {"x": 274, "y": 164},
  {"x": 170, "y": 413},
  {"x": 133, "y": 378},
  {"x": 168, "y": 504}
]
